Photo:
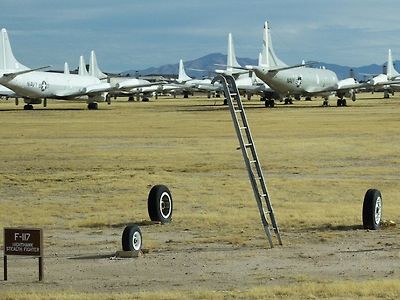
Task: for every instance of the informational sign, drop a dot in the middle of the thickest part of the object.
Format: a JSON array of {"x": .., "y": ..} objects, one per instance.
[{"x": 23, "y": 241}]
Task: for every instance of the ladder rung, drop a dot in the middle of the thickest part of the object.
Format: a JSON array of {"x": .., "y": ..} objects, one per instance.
[{"x": 252, "y": 162}]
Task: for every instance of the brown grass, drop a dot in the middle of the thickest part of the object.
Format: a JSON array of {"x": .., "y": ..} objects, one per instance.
[
  {"x": 65, "y": 168},
  {"x": 384, "y": 289},
  {"x": 69, "y": 168}
]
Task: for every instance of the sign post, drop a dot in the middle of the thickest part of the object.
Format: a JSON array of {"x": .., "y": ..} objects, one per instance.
[{"x": 24, "y": 242}]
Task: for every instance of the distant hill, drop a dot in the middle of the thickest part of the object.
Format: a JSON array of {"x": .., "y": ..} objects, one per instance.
[{"x": 208, "y": 64}]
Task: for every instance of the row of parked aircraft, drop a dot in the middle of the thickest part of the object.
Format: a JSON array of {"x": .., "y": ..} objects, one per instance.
[{"x": 272, "y": 79}]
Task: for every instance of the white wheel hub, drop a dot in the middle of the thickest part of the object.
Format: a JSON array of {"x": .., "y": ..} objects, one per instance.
[
  {"x": 136, "y": 240},
  {"x": 165, "y": 205},
  {"x": 378, "y": 210}
]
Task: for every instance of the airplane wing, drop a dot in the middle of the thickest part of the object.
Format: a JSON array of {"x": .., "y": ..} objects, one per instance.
[
  {"x": 269, "y": 69},
  {"x": 87, "y": 91},
  {"x": 126, "y": 85},
  {"x": 15, "y": 74},
  {"x": 6, "y": 92}
]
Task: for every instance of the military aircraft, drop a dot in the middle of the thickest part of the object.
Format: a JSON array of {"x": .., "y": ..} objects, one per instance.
[
  {"x": 386, "y": 80},
  {"x": 123, "y": 86},
  {"x": 35, "y": 85},
  {"x": 246, "y": 82},
  {"x": 188, "y": 85},
  {"x": 299, "y": 79}
]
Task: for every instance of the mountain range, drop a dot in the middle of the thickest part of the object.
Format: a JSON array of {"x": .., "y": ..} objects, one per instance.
[{"x": 205, "y": 66}]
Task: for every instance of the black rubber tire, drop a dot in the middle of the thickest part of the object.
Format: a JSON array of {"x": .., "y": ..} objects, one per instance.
[
  {"x": 271, "y": 103},
  {"x": 160, "y": 204},
  {"x": 132, "y": 238},
  {"x": 372, "y": 209}
]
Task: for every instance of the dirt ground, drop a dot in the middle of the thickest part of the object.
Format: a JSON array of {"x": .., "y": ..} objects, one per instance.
[{"x": 354, "y": 254}]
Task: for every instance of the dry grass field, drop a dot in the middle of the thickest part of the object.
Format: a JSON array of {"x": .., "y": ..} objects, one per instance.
[{"x": 83, "y": 175}]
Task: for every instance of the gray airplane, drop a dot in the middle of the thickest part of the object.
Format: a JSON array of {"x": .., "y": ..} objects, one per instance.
[{"x": 299, "y": 79}]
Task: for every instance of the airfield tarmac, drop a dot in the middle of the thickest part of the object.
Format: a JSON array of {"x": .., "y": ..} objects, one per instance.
[{"x": 82, "y": 175}]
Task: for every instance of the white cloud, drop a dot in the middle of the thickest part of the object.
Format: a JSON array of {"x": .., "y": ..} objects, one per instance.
[{"x": 138, "y": 34}]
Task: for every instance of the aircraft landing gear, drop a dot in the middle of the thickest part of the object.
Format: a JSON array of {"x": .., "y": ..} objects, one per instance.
[
  {"x": 28, "y": 107},
  {"x": 288, "y": 101},
  {"x": 269, "y": 103},
  {"x": 341, "y": 102},
  {"x": 325, "y": 102},
  {"x": 386, "y": 94},
  {"x": 92, "y": 105}
]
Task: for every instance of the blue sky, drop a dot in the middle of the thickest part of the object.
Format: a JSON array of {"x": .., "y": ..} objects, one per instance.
[{"x": 140, "y": 34}]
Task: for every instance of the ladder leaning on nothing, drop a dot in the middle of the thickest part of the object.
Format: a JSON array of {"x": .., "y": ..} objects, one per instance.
[{"x": 249, "y": 155}]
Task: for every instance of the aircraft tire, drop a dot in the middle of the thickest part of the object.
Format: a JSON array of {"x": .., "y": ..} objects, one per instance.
[
  {"x": 160, "y": 204},
  {"x": 132, "y": 238},
  {"x": 92, "y": 105},
  {"x": 372, "y": 209},
  {"x": 145, "y": 99}
]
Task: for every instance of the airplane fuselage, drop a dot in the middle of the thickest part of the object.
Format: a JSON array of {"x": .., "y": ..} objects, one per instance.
[
  {"x": 298, "y": 80},
  {"x": 38, "y": 84}
]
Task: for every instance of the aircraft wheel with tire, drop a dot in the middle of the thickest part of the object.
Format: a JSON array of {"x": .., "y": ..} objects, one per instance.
[
  {"x": 132, "y": 238},
  {"x": 159, "y": 204},
  {"x": 372, "y": 209},
  {"x": 271, "y": 103},
  {"x": 92, "y": 105},
  {"x": 28, "y": 107}
]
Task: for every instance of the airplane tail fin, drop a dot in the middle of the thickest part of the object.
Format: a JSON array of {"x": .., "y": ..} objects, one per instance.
[
  {"x": 391, "y": 71},
  {"x": 231, "y": 60},
  {"x": 182, "y": 76},
  {"x": 269, "y": 58},
  {"x": 8, "y": 62},
  {"x": 82, "y": 71},
  {"x": 94, "y": 69},
  {"x": 66, "y": 68}
]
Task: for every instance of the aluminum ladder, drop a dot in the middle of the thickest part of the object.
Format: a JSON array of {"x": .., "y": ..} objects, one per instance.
[{"x": 249, "y": 155}]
